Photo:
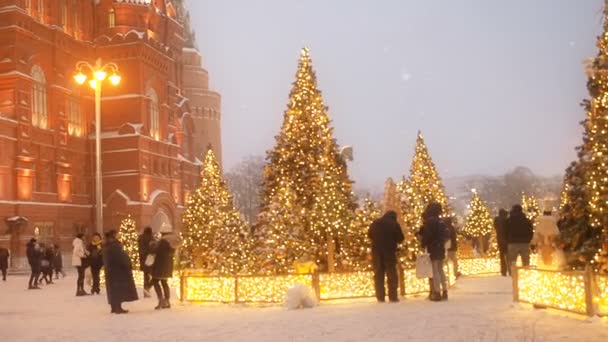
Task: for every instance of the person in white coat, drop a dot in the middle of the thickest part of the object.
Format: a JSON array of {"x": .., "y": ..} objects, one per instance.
[
  {"x": 79, "y": 255},
  {"x": 545, "y": 235}
]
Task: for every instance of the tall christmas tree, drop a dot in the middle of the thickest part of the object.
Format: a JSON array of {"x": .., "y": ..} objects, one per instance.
[
  {"x": 306, "y": 158},
  {"x": 358, "y": 244},
  {"x": 279, "y": 240},
  {"x": 214, "y": 235},
  {"x": 422, "y": 187},
  {"x": 128, "y": 238},
  {"x": 479, "y": 222}
]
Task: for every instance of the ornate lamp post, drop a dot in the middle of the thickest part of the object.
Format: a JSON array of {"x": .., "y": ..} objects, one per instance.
[{"x": 97, "y": 74}]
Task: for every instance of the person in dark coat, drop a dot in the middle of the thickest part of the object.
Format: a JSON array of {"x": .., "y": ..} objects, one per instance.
[
  {"x": 34, "y": 258},
  {"x": 385, "y": 234},
  {"x": 47, "y": 263},
  {"x": 434, "y": 236},
  {"x": 58, "y": 262},
  {"x": 120, "y": 286},
  {"x": 4, "y": 254},
  {"x": 162, "y": 269},
  {"x": 519, "y": 234},
  {"x": 95, "y": 261},
  {"x": 143, "y": 243},
  {"x": 500, "y": 226},
  {"x": 453, "y": 249}
]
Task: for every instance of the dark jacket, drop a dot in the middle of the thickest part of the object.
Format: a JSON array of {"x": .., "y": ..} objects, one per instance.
[
  {"x": 500, "y": 226},
  {"x": 452, "y": 236},
  {"x": 519, "y": 228},
  {"x": 143, "y": 245},
  {"x": 34, "y": 255},
  {"x": 120, "y": 285},
  {"x": 434, "y": 236},
  {"x": 95, "y": 258},
  {"x": 4, "y": 258},
  {"x": 163, "y": 260},
  {"x": 57, "y": 260},
  {"x": 385, "y": 234},
  {"x": 47, "y": 259}
]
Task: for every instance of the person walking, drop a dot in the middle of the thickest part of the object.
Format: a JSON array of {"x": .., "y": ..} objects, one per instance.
[
  {"x": 47, "y": 263},
  {"x": 4, "y": 254},
  {"x": 143, "y": 242},
  {"x": 385, "y": 234},
  {"x": 58, "y": 262},
  {"x": 162, "y": 269},
  {"x": 95, "y": 261},
  {"x": 500, "y": 226},
  {"x": 120, "y": 286},
  {"x": 434, "y": 236},
  {"x": 519, "y": 234},
  {"x": 453, "y": 244},
  {"x": 34, "y": 257},
  {"x": 78, "y": 260}
]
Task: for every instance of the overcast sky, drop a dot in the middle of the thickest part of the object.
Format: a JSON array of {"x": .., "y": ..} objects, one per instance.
[{"x": 492, "y": 84}]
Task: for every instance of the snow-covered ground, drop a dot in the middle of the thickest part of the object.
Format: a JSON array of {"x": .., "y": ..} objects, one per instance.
[{"x": 479, "y": 309}]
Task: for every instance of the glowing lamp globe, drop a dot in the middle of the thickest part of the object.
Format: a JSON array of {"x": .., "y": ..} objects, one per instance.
[
  {"x": 80, "y": 78},
  {"x": 93, "y": 84},
  {"x": 115, "y": 79},
  {"x": 100, "y": 75}
]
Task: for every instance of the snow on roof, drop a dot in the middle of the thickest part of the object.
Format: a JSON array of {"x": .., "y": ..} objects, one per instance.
[
  {"x": 16, "y": 218},
  {"x": 189, "y": 49},
  {"x": 136, "y": 126},
  {"x": 197, "y": 162},
  {"x": 182, "y": 102}
]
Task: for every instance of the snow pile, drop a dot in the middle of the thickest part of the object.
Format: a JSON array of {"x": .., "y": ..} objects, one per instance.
[{"x": 300, "y": 297}]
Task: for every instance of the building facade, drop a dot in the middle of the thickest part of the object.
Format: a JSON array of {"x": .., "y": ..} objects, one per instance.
[{"x": 156, "y": 124}]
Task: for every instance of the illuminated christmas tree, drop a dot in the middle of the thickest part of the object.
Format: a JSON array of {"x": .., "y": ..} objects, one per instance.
[
  {"x": 306, "y": 158},
  {"x": 530, "y": 207},
  {"x": 422, "y": 187},
  {"x": 279, "y": 239},
  {"x": 128, "y": 238},
  {"x": 214, "y": 235},
  {"x": 358, "y": 244},
  {"x": 479, "y": 222}
]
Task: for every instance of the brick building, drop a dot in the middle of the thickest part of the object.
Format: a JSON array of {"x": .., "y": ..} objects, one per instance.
[{"x": 155, "y": 125}]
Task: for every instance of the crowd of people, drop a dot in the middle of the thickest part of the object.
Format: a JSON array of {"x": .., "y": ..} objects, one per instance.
[
  {"x": 437, "y": 237},
  {"x": 156, "y": 255}
]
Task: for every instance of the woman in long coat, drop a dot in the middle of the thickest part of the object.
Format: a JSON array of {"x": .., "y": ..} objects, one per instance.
[
  {"x": 162, "y": 270},
  {"x": 120, "y": 285}
]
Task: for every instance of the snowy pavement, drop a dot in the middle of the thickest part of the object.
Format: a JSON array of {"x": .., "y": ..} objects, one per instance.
[{"x": 479, "y": 309}]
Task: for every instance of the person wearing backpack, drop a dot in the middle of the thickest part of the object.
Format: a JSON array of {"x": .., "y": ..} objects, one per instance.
[{"x": 434, "y": 237}]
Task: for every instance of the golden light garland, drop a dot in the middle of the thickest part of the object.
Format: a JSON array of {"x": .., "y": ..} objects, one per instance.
[
  {"x": 346, "y": 285},
  {"x": 210, "y": 289},
  {"x": 265, "y": 289},
  {"x": 602, "y": 297},
  {"x": 560, "y": 290}
]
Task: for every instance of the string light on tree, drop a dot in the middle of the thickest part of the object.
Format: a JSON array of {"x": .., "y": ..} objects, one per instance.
[
  {"x": 422, "y": 187},
  {"x": 306, "y": 159},
  {"x": 358, "y": 244},
  {"x": 479, "y": 222},
  {"x": 128, "y": 239},
  {"x": 214, "y": 235}
]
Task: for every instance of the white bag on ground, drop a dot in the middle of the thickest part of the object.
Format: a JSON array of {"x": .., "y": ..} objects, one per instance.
[
  {"x": 424, "y": 269},
  {"x": 300, "y": 296}
]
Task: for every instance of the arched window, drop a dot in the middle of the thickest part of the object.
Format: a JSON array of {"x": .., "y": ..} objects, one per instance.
[
  {"x": 75, "y": 126},
  {"x": 40, "y": 115},
  {"x": 41, "y": 10},
  {"x": 111, "y": 18},
  {"x": 154, "y": 114}
]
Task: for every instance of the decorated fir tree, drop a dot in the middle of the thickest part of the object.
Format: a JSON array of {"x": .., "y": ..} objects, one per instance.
[
  {"x": 278, "y": 238},
  {"x": 479, "y": 222},
  {"x": 530, "y": 207},
  {"x": 214, "y": 235},
  {"x": 358, "y": 243},
  {"x": 306, "y": 158},
  {"x": 422, "y": 187},
  {"x": 128, "y": 238}
]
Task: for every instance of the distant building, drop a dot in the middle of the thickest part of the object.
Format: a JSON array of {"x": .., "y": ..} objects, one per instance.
[{"x": 156, "y": 124}]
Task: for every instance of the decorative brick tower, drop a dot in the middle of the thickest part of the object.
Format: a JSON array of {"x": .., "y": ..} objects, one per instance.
[{"x": 155, "y": 124}]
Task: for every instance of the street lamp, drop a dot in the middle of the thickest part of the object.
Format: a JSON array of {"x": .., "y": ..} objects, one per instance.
[{"x": 97, "y": 74}]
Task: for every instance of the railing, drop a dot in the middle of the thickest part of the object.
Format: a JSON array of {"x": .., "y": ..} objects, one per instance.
[
  {"x": 581, "y": 292},
  {"x": 196, "y": 286}
]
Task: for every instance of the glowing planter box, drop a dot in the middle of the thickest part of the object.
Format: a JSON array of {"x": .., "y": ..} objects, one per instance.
[
  {"x": 346, "y": 285},
  {"x": 602, "y": 295},
  {"x": 479, "y": 266},
  {"x": 209, "y": 289},
  {"x": 268, "y": 289},
  {"x": 564, "y": 290}
]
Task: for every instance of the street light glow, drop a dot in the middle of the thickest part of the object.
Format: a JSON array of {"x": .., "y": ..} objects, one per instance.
[
  {"x": 93, "y": 83},
  {"x": 100, "y": 75},
  {"x": 115, "y": 79},
  {"x": 80, "y": 78}
]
